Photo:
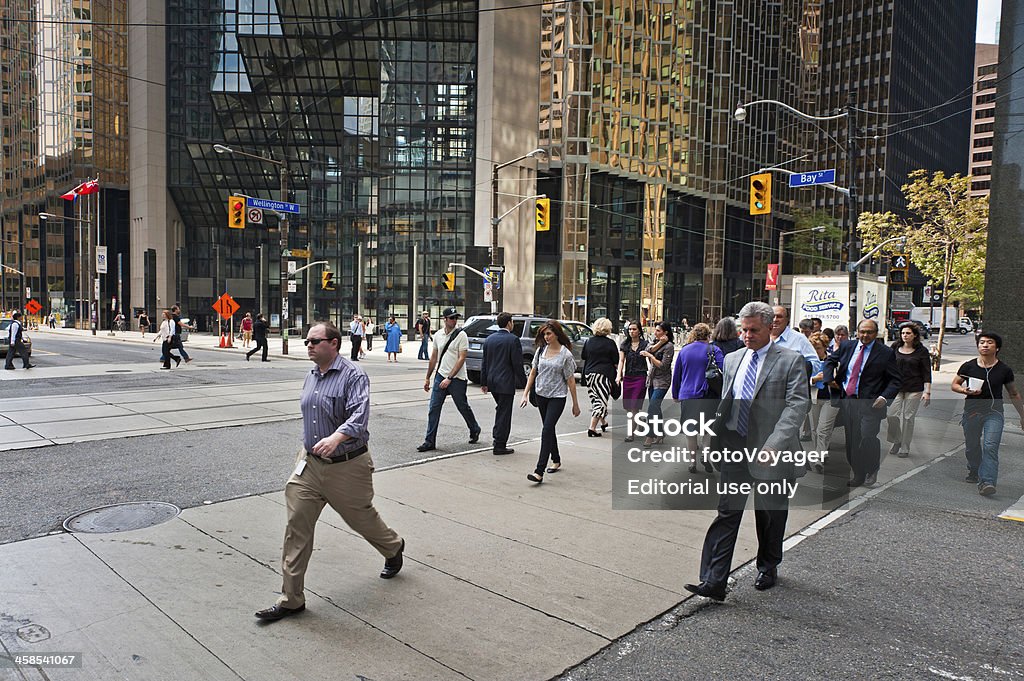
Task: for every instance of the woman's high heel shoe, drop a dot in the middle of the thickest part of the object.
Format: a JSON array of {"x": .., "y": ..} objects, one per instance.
[
  {"x": 592, "y": 433},
  {"x": 604, "y": 427}
]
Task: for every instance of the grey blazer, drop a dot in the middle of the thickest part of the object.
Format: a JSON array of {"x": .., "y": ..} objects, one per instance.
[{"x": 780, "y": 404}]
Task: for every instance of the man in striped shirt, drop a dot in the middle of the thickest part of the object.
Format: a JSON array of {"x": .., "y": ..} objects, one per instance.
[{"x": 334, "y": 468}]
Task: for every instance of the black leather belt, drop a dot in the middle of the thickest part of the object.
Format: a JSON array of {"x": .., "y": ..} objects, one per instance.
[{"x": 347, "y": 456}]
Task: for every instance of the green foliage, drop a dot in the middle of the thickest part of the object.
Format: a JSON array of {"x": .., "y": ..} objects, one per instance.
[
  {"x": 946, "y": 231},
  {"x": 814, "y": 249}
]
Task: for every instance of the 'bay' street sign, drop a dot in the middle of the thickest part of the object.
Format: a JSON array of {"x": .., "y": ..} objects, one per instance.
[
  {"x": 277, "y": 206},
  {"x": 813, "y": 177}
]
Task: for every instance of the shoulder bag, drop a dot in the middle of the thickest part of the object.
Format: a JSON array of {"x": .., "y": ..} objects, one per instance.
[
  {"x": 713, "y": 375},
  {"x": 533, "y": 394}
]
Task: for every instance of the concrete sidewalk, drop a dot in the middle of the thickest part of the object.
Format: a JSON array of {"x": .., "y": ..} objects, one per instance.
[{"x": 503, "y": 580}]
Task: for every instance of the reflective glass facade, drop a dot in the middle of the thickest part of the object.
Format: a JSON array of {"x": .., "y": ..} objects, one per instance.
[
  {"x": 64, "y": 120},
  {"x": 371, "y": 106}
]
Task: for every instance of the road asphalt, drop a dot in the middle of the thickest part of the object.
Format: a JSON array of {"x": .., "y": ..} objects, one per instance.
[{"x": 917, "y": 578}]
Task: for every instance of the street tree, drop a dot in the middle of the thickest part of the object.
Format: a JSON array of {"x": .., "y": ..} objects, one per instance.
[
  {"x": 814, "y": 251},
  {"x": 946, "y": 230}
]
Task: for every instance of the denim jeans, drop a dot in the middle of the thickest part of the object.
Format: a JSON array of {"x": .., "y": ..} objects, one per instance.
[
  {"x": 982, "y": 433},
  {"x": 457, "y": 389},
  {"x": 656, "y": 396},
  {"x": 424, "y": 354}
]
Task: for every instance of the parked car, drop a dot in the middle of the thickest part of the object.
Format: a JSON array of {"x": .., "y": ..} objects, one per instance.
[
  {"x": 525, "y": 327},
  {"x": 4, "y": 344}
]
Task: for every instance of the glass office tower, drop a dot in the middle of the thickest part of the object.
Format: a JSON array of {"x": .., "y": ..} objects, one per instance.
[{"x": 371, "y": 109}]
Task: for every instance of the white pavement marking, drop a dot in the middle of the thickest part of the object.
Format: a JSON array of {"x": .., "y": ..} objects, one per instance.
[
  {"x": 1015, "y": 512},
  {"x": 838, "y": 513}
]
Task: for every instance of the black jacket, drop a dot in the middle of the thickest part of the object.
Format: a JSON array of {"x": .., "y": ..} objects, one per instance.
[
  {"x": 259, "y": 330},
  {"x": 502, "y": 367},
  {"x": 601, "y": 356},
  {"x": 878, "y": 377}
]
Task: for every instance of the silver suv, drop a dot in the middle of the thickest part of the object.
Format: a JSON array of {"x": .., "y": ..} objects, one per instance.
[{"x": 525, "y": 327}]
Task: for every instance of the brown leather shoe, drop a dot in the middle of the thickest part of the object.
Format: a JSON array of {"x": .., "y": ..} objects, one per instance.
[{"x": 278, "y": 612}]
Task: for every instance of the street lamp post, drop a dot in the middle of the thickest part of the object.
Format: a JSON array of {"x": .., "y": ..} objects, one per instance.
[
  {"x": 84, "y": 282},
  {"x": 782, "y": 236},
  {"x": 495, "y": 220},
  {"x": 851, "y": 180},
  {"x": 283, "y": 171}
]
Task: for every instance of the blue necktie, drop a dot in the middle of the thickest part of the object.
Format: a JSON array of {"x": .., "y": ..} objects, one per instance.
[{"x": 746, "y": 395}]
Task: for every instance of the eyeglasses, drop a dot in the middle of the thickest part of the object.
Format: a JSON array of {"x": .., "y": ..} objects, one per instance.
[{"x": 313, "y": 341}]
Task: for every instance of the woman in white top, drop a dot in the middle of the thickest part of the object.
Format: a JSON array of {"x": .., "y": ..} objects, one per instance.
[
  {"x": 552, "y": 379},
  {"x": 165, "y": 334}
]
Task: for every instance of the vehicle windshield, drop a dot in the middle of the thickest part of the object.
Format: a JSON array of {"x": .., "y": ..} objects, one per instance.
[{"x": 480, "y": 328}]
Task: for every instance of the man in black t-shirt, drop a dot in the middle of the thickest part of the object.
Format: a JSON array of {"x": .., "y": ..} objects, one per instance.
[
  {"x": 982, "y": 380},
  {"x": 423, "y": 328}
]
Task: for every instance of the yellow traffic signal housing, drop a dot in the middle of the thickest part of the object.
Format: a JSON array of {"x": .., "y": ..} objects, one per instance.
[
  {"x": 543, "y": 215},
  {"x": 449, "y": 281},
  {"x": 327, "y": 281},
  {"x": 236, "y": 212},
  {"x": 761, "y": 194}
]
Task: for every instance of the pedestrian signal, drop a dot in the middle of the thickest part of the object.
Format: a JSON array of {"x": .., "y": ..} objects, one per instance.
[
  {"x": 761, "y": 194},
  {"x": 449, "y": 281},
  {"x": 327, "y": 281},
  {"x": 236, "y": 212},
  {"x": 543, "y": 215},
  {"x": 898, "y": 265}
]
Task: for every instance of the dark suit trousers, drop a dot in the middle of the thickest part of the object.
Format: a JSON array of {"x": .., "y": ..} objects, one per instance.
[
  {"x": 863, "y": 450},
  {"x": 357, "y": 342},
  {"x": 502, "y": 419},
  {"x": 771, "y": 512}
]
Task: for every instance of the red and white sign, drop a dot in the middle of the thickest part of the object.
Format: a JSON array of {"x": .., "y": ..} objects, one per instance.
[
  {"x": 84, "y": 189},
  {"x": 771, "y": 282}
]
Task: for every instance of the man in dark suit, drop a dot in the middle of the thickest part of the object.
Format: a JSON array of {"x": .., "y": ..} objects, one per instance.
[
  {"x": 16, "y": 344},
  {"x": 866, "y": 371},
  {"x": 764, "y": 401},
  {"x": 501, "y": 373}
]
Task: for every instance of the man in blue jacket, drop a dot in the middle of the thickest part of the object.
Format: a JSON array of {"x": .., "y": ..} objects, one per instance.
[{"x": 500, "y": 374}]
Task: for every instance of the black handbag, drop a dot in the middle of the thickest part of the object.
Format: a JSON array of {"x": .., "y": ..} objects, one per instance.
[
  {"x": 533, "y": 395},
  {"x": 712, "y": 375}
]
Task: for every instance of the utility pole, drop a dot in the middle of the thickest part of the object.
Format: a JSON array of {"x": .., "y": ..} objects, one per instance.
[
  {"x": 853, "y": 211},
  {"x": 284, "y": 261}
]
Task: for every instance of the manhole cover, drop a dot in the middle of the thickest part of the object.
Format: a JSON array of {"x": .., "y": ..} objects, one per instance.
[{"x": 122, "y": 517}]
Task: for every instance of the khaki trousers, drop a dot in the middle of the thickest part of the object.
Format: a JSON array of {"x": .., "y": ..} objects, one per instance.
[
  {"x": 348, "y": 487},
  {"x": 901, "y": 419}
]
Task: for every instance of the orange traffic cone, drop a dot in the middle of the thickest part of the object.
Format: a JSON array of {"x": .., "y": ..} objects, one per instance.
[
  {"x": 230, "y": 341},
  {"x": 222, "y": 341}
]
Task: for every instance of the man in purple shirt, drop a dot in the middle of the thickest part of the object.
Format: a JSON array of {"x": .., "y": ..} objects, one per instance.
[{"x": 334, "y": 468}]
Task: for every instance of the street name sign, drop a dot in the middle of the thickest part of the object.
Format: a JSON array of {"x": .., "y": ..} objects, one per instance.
[
  {"x": 814, "y": 177},
  {"x": 276, "y": 206}
]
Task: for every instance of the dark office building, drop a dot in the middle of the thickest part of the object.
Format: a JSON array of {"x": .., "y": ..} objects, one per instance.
[{"x": 364, "y": 116}]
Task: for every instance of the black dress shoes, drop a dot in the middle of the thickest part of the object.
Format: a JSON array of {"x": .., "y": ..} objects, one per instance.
[
  {"x": 425, "y": 447},
  {"x": 712, "y": 591},
  {"x": 765, "y": 580},
  {"x": 498, "y": 451},
  {"x": 474, "y": 437},
  {"x": 393, "y": 565},
  {"x": 278, "y": 612}
]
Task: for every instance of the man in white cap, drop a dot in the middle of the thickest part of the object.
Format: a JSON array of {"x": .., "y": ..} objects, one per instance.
[{"x": 451, "y": 345}]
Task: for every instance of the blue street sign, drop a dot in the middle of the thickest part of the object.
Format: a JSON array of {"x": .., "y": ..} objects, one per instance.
[
  {"x": 813, "y": 177},
  {"x": 277, "y": 206}
]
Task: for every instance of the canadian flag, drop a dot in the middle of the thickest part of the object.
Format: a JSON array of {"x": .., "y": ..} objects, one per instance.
[{"x": 87, "y": 187}]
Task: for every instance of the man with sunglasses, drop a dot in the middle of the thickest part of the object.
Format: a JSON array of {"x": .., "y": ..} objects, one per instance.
[{"x": 334, "y": 468}]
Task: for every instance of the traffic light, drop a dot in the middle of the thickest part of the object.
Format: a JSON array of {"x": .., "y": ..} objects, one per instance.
[
  {"x": 237, "y": 212},
  {"x": 327, "y": 281},
  {"x": 449, "y": 281},
  {"x": 898, "y": 264},
  {"x": 543, "y": 215},
  {"x": 761, "y": 194}
]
